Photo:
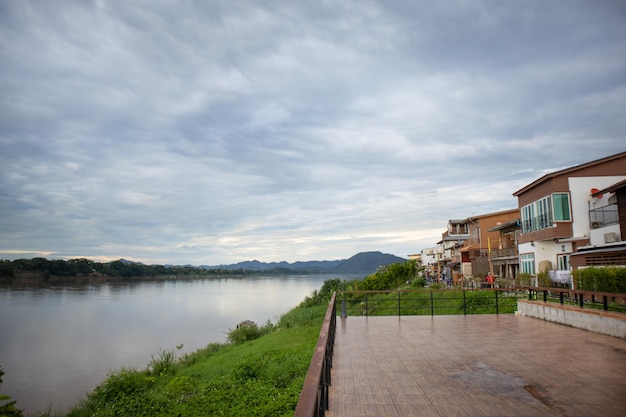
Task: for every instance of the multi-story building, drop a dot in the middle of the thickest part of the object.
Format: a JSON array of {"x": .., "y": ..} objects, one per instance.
[
  {"x": 477, "y": 251},
  {"x": 452, "y": 240},
  {"x": 430, "y": 257},
  {"x": 560, "y": 210},
  {"x": 607, "y": 237},
  {"x": 505, "y": 258}
]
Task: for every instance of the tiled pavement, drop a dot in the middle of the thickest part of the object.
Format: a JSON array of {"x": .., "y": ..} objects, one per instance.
[{"x": 481, "y": 365}]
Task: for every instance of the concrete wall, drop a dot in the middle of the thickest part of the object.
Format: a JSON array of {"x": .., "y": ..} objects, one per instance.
[{"x": 609, "y": 323}]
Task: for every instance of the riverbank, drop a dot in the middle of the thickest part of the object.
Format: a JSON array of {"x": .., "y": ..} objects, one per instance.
[
  {"x": 79, "y": 334},
  {"x": 259, "y": 377}
]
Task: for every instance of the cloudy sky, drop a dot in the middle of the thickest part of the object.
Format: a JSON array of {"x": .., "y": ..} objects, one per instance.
[{"x": 210, "y": 132}]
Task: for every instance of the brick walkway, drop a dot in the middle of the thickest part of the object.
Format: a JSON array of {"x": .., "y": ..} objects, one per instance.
[{"x": 483, "y": 365}]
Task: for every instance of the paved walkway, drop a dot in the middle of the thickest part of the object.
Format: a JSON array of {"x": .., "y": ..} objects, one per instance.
[{"x": 482, "y": 365}]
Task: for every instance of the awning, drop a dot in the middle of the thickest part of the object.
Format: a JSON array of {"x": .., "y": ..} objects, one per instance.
[{"x": 599, "y": 249}]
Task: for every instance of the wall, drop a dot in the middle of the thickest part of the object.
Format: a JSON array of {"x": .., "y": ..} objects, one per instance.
[{"x": 598, "y": 321}]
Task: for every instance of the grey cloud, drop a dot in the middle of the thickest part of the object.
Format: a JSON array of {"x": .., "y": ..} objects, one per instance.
[{"x": 214, "y": 131}]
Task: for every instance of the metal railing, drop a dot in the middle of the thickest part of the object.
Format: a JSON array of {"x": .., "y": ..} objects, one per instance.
[
  {"x": 313, "y": 400},
  {"x": 584, "y": 299},
  {"x": 603, "y": 216},
  {"x": 539, "y": 222},
  {"x": 430, "y": 302}
]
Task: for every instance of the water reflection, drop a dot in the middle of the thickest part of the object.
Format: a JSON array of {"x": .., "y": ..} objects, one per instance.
[{"x": 58, "y": 343}]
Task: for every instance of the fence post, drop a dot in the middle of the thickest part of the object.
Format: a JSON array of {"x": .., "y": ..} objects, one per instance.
[
  {"x": 399, "y": 304},
  {"x": 464, "y": 304},
  {"x": 344, "y": 314},
  {"x": 366, "y": 306},
  {"x": 497, "y": 309},
  {"x": 561, "y": 297},
  {"x": 581, "y": 299},
  {"x": 432, "y": 308},
  {"x": 605, "y": 303}
]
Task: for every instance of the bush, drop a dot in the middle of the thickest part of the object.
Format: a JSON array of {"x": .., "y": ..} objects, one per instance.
[
  {"x": 163, "y": 363},
  {"x": 543, "y": 279},
  {"x": 391, "y": 276},
  {"x": 323, "y": 295},
  {"x": 602, "y": 279},
  {"x": 524, "y": 280},
  {"x": 248, "y": 331},
  {"x": 8, "y": 409}
]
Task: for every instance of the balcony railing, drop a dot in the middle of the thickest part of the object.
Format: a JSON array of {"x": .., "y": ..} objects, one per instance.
[
  {"x": 603, "y": 216},
  {"x": 543, "y": 221},
  {"x": 504, "y": 253}
]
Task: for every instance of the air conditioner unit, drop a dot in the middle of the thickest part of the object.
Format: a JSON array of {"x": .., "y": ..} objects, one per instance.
[{"x": 611, "y": 237}]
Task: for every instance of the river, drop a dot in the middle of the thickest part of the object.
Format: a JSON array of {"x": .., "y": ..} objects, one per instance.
[{"x": 58, "y": 343}]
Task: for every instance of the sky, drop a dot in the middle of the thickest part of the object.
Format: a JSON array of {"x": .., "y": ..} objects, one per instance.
[{"x": 213, "y": 132}]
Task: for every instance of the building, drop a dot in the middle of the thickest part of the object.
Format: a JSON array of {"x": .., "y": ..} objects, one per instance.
[
  {"x": 558, "y": 213},
  {"x": 607, "y": 237},
  {"x": 477, "y": 250},
  {"x": 505, "y": 259},
  {"x": 452, "y": 240},
  {"x": 430, "y": 261}
]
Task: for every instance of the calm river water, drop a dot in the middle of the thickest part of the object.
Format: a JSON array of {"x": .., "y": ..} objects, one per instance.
[{"x": 58, "y": 343}]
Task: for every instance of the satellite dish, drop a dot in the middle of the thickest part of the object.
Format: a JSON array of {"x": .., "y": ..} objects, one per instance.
[{"x": 595, "y": 190}]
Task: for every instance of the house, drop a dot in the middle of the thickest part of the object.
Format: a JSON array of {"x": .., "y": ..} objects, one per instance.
[
  {"x": 430, "y": 260},
  {"x": 505, "y": 258},
  {"x": 555, "y": 215},
  {"x": 417, "y": 257},
  {"x": 452, "y": 240},
  {"x": 477, "y": 250},
  {"x": 607, "y": 237}
]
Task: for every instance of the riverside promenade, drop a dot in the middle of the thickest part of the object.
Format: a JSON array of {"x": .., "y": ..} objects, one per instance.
[{"x": 478, "y": 365}]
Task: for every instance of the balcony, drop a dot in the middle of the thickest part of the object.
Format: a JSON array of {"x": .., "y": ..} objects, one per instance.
[
  {"x": 504, "y": 253},
  {"x": 533, "y": 224},
  {"x": 603, "y": 216}
]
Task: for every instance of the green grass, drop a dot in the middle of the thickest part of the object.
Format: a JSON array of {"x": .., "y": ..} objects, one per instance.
[{"x": 262, "y": 377}]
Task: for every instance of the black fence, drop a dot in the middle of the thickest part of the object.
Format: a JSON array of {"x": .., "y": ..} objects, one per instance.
[
  {"x": 584, "y": 299},
  {"x": 430, "y": 302}
]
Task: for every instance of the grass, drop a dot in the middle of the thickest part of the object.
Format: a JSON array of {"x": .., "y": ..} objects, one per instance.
[{"x": 261, "y": 377}]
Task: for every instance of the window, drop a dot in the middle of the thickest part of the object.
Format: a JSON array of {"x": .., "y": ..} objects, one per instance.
[
  {"x": 528, "y": 263},
  {"x": 561, "y": 207},
  {"x": 542, "y": 213},
  {"x": 563, "y": 262}
]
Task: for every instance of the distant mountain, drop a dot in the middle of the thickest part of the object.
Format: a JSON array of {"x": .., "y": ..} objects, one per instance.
[
  {"x": 361, "y": 263},
  {"x": 367, "y": 262}
]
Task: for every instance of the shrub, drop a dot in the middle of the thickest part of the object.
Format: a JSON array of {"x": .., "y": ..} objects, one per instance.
[
  {"x": 163, "y": 363},
  {"x": 8, "y": 409},
  {"x": 325, "y": 292},
  {"x": 603, "y": 279},
  {"x": 391, "y": 276},
  {"x": 248, "y": 331},
  {"x": 524, "y": 279},
  {"x": 543, "y": 279}
]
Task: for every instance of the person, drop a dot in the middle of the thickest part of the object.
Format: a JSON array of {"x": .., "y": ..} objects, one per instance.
[{"x": 490, "y": 279}]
